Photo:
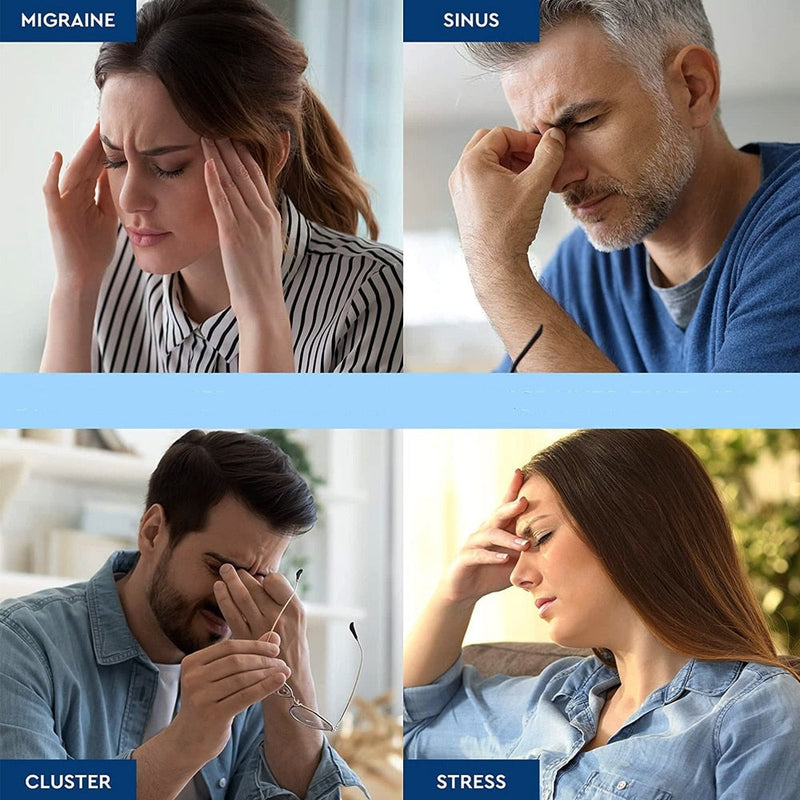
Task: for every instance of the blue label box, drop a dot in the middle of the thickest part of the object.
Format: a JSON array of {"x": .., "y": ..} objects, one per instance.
[
  {"x": 470, "y": 21},
  {"x": 447, "y": 779},
  {"x": 68, "y": 21},
  {"x": 77, "y": 779}
]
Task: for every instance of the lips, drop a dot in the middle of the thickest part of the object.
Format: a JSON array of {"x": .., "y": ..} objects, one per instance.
[
  {"x": 543, "y": 603},
  {"x": 216, "y": 623},
  {"x": 591, "y": 205},
  {"x": 146, "y": 237}
]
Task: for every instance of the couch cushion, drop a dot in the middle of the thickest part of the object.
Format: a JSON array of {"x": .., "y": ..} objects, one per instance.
[
  {"x": 530, "y": 658},
  {"x": 515, "y": 658}
]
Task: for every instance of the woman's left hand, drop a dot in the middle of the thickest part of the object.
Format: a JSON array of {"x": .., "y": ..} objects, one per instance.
[{"x": 251, "y": 243}]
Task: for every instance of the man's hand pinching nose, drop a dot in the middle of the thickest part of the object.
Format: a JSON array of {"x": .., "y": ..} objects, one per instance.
[{"x": 499, "y": 188}]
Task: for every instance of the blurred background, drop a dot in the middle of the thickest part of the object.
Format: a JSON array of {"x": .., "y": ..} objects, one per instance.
[
  {"x": 69, "y": 498},
  {"x": 447, "y": 100},
  {"x": 454, "y": 479},
  {"x": 48, "y": 102}
]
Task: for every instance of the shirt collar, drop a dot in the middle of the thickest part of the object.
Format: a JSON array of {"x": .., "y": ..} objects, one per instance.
[
  {"x": 218, "y": 330},
  {"x": 580, "y": 682},
  {"x": 112, "y": 639},
  {"x": 177, "y": 325},
  {"x": 296, "y": 230},
  {"x": 711, "y": 678}
]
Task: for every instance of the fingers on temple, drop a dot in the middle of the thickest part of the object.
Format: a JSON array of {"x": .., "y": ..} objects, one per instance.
[
  {"x": 220, "y": 201},
  {"x": 255, "y": 173},
  {"x": 235, "y": 175},
  {"x": 89, "y": 159}
]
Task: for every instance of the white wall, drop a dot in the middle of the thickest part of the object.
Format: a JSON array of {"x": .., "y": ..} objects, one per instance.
[
  {"x": 352, "y": 551},
  {"x": 48, "y": 102},
  {"x": 447, "y": 99}
]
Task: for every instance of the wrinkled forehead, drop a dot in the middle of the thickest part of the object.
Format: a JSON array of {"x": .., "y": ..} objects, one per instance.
[
  {"x": 541, "y": 496},
  {"x": 139, "y": 105},
  {"x": 573, "y": 64}
]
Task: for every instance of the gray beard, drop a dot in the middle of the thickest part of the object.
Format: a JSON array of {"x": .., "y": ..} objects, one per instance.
[{"x": 650, "y": 200}]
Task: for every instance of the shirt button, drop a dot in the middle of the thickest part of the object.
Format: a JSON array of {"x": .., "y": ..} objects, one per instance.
[
  {"x": 622, "y": 784},
  {"x": 222, "y": 783}
]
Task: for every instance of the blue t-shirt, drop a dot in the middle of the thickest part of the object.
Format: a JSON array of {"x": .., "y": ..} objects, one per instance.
[{"x": 748, "y": 316}]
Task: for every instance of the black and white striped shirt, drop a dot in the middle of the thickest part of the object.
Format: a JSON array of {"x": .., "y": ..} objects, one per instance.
[{"x": 343, "y": 294}]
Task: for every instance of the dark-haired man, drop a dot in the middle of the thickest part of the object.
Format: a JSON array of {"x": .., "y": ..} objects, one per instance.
[
  {"x": 165, "y": 655},
  {"x": 686, "y": 255}
]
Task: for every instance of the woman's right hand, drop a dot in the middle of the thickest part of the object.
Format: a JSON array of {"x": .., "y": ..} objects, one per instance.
[
  {"x": 81, "y": 214},
  {"x": 483, "y": 565},
  {"x": 485, "y": 562}
]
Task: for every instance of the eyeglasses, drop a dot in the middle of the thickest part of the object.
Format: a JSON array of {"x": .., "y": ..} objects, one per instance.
[{"x": 302, "y": 713}]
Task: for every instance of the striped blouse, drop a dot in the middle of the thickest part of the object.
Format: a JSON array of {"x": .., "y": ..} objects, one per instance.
[{"x": 343, "y": 295}]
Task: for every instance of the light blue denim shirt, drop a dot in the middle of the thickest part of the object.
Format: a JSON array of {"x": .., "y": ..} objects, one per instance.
[
  {"x": 723, "y": 730},
  {"x": 75, "y": 683}
]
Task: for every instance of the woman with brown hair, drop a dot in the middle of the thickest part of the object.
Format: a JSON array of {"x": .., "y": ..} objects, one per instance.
[
  {"x": 208, "y": 222},
  {"x": 625, "y": 548}
]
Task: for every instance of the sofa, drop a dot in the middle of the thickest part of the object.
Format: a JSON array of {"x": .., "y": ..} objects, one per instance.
[{"x": 530, "y": 658}]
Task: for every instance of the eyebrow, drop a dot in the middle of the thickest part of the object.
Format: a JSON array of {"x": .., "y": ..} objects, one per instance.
[
  {"x": 156, "y": 151},
  {"x": 575, "y": 110},
  {"x": 527, "y": 532},
  {"x": 225, "y": 560}
]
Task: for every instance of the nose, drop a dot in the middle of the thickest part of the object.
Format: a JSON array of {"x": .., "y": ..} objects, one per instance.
[
  {"x": 572, "y": 169},
  {"x": 526, "y": 574},
  {"x": 135, "y": 193}
]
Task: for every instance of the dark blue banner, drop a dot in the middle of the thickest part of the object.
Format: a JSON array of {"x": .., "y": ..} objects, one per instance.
[
  {"x": 437, "y": 779},
  {"x": 68, "y": 21},
  {"x": 470, "y": 21},
  {"x": 76, "y": 779}
]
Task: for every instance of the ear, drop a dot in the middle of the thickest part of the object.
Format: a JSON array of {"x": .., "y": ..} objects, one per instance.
[
  {"x": 694, "y": 74},
  {"x": 153, "y": 531},
  {"x": 285, "y": 145}
]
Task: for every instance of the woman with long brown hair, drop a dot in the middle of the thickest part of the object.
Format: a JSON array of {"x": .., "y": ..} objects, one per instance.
[
  {"x": 208, "y": 222},
  {"x": 625, "y": 548}
]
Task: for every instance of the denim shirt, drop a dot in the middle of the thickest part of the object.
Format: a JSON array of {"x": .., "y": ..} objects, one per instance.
[
  {"x": 75, "y": 683},
  {"x": 724, "y": 730}
]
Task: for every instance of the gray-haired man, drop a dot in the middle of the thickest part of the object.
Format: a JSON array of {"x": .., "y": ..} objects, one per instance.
[{"x": 685, "y": 259}]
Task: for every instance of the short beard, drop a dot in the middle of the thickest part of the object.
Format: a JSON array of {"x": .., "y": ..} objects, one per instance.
[
  {"x": 172, "y": 612},
  {"x": 662, "y": 179}
]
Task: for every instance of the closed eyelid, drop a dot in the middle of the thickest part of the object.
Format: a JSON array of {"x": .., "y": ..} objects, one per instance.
[
  {"x": 570, "y": 114},
  {"x": 215, "y": 562}
]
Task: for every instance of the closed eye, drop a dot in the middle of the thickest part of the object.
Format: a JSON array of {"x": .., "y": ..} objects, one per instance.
[
  {"x": 586, "y": 123},
  {"x": 541, "y": 538},
  {"x": 167, "y": 173},
  {"x": 161, "y": 173}
]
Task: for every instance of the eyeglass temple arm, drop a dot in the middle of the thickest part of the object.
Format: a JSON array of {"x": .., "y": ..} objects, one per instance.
[
  {"x": 358, "y": 675},
  {"x": 286, "y": 604}
]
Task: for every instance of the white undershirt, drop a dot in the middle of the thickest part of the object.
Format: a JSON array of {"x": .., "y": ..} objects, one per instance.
[{"x": 169, "y": 681}]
